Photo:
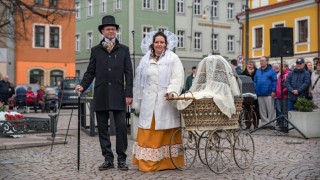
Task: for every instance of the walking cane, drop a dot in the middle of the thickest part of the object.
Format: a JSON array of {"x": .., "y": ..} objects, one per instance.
[{"x": 79, "y": 113}]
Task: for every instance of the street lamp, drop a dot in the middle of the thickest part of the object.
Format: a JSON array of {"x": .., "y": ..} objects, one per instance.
[{"x": 204, "y": 16}]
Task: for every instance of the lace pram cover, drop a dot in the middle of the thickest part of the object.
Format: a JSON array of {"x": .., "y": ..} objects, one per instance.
[{"x": 214, "y": 79}]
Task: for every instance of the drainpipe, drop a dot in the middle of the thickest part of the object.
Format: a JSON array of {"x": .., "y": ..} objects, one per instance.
[
  {"x": 318, "y": 15},
  {"x": 191, "y": 26},
  {"x": 247, "y": 31}
]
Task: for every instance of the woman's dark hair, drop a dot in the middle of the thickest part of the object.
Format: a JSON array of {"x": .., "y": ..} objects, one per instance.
[{"x": 159, "y": 33}]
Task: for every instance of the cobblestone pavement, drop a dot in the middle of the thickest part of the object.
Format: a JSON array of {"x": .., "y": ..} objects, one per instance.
[{"x": 276, "y": 157}]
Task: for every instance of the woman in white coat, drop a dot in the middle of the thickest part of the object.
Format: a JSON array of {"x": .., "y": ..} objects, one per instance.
[{"x": 159, "y": 74}]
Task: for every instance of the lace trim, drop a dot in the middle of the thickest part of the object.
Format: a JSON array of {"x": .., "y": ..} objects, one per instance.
[{"x": 155, "y": 154}]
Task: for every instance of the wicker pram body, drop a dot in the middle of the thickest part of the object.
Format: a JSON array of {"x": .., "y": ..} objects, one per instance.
[{"x": 204, "y": 114}]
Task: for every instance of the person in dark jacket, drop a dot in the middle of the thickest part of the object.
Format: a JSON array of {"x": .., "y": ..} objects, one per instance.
[
  {"x": 111, "y": 67},
  {"x": 250, "y": 70},
  {"x": 190, "y": 78},
  {"x": 6, "y": 90},
  {"x": 265, "y": 81},
  {"x": 297, "y": 83}
]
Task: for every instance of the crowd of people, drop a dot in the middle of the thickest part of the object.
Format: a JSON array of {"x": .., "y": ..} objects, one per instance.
[
  {"x": 21, "y": 96},
  {"x": 274, "y": 88}
]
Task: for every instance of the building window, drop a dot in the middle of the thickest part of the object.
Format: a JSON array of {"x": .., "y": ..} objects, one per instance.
[
  {"x": 303, "y": 30},
  {"x": 47, "y": 36},
  {"x": 36, "y": 76},
  {"x": 180, "y": 35},
  {"x": 162, "y": 29},
  {"x": 77, "y": 73},
  {"x": 215, "y": 45},
  {"x": 117, "y": 5},
  {"x": 38, "y": 2},
  {"x": 197, "y": 7},
  {"x": 231, "y": 43},
  {"x": 214, "y": 10},
  {"x": 146, "y": 4},
  {"x": 77, "y": 42},
  {"x": 53, "y": 3},
  {"x": 39, "y": 36},
  {"x": 162, "y": 5},
  {"x": 54, "y": 37},
  {"x": 197, "y": 41},
  {"x": 180, "y": 6},
  {"x": 258, "y": 37},
  {"x": 119, "y": 33},
  {"x": 55, "y": 77},
  {"x": 77, "y": 8},
  {"x": 230, "y": 11},
  {"x": 103, "y": 6},
  {"x": 89, "y": 40},
  {"x": 89, "y": 8},
  {"x": 145, "y": 31}
]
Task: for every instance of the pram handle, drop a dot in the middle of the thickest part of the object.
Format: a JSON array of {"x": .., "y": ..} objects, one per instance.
[{"x": 181, "y": 98}]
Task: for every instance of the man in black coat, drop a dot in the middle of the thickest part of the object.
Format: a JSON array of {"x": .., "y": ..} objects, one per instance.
[{"x": 111, "y": 66}]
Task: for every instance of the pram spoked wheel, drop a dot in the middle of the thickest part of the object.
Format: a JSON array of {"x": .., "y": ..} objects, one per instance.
[
  {"x": 243, "y": 150},
  {"x": 188, "y": 148},
  {"x": 202, "y": 146},
  {"x": 218, "y": 151}
]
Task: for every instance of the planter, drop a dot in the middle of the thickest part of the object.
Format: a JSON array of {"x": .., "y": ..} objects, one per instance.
[{"x": 307, "y": 122}]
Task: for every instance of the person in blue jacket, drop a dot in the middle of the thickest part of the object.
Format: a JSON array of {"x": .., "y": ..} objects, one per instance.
[
  {"x": 297, "y": 83},
  {"x": 265, "y": 81}
]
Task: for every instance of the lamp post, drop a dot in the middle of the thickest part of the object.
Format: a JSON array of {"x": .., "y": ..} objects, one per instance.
[{"x": 204, "y": 16}]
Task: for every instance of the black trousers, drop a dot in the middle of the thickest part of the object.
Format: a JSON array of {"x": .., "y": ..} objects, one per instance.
[{"x": 121, "y": 134}]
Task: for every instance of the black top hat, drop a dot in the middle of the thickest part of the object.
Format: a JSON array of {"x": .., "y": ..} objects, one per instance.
[{"x": 108, "y": 21}]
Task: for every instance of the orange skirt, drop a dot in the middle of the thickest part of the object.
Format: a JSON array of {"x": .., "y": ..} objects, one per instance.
[{"x": 151, "y": 151}]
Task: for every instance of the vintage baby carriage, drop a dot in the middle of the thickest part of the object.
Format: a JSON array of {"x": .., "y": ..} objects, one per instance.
[
  {"x": 210, "y": 119},
  {"x": 51, "y": 103}
]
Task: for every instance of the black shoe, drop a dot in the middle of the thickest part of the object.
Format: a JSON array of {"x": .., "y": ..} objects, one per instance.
[
  {"x": 106, "y": 165},
  {"x": 123, "y": 166}
]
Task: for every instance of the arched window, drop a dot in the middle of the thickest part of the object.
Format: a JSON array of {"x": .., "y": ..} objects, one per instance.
[
  {"x": 36, "y": 76},
  {"x": 55, "y": 77}
]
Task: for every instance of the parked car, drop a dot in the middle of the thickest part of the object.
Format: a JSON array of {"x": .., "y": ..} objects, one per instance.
[{"x": 67, "y": 95}]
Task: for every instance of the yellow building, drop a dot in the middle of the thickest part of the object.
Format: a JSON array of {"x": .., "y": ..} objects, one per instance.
[{"x": 301, "y": 15}]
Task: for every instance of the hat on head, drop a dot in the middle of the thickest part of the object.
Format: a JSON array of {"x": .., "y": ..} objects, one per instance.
[
  {"x": 42, "y": 87},
  {"x": 108, "y": 21},
  {"x": 300, "y": 61}
]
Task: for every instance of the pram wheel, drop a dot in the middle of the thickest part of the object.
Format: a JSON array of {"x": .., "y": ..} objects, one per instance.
[
  {"x": 243, "y": 150},
  {"x": 202, "y": 146},
  {"x": 188, "y": 148}
]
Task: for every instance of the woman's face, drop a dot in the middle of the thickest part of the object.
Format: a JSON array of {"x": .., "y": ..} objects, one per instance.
[
  {"x": 318, "y": 67},
  {"x": 250, "y": 66},
  {"x": 159, "y": 44}
]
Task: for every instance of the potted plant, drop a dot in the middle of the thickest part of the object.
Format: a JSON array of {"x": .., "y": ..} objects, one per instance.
[{"x": 307, "y": 121}]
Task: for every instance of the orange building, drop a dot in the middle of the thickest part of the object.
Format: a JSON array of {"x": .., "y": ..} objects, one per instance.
[{"x": 46, "y": 50}]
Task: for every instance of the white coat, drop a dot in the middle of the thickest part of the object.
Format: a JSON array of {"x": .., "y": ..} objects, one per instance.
[{"x": 152, "y": 81}]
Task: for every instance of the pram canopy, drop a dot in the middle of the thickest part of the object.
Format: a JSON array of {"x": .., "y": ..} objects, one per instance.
[{"x": 214, "y": 79}]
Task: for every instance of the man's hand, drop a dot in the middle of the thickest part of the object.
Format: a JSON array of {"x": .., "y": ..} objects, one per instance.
[
  {"x": 295, "y": 92},
  {"x": 273, "y": 94},
  {"x": 129, "y": 101},
  {"x": 79, "y": 89}
]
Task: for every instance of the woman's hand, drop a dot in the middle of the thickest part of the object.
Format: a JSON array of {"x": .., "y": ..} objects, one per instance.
[
  {"x": 168, "y": 95},
  {"x": 78, "y": 89}
]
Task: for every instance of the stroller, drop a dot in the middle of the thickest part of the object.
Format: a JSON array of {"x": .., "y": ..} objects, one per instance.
[
  {"x": 20, "y": 99},
  {"x": 50, "y": 100}
]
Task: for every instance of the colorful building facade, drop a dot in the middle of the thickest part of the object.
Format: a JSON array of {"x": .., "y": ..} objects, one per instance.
[
  {"x": 45, "y": 54},
  {"x": 303, "y": 16}
]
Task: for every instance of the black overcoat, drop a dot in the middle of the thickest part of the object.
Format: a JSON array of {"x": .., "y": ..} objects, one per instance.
[{"x": 114, "y": 77}]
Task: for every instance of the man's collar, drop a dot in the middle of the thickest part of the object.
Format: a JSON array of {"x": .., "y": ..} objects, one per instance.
[{"x": 107, "y": 40}]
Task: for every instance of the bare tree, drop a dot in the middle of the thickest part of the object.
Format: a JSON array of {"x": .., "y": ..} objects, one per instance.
[{"x": 15, "y": 13}]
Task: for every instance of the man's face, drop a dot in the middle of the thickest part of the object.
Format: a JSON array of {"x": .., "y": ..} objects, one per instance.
[
  {"x": 300, "y": 65},
  {"x": 109, "y": 32},
  {"x": 193, "y": 71},
  {"x": 263, "y": 62},
  {"x": 6, "y": 78}
]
